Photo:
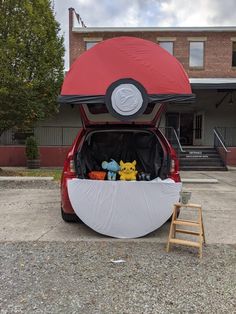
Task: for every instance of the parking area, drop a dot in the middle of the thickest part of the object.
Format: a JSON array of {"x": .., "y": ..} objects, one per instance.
[
  {"x": 30, "y": 211},
  {"x": 49, "y": 266}
]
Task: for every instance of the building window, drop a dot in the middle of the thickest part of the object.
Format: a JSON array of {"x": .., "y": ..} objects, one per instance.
[
  {"x": 196, "y": 54},
  {"x": 90, "y": 44},
  {"x": 234, "y": 54},
  {"x": 168, "y": 46}
]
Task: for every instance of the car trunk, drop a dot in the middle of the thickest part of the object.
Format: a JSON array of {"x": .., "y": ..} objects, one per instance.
[{"x": 122, "y": 144}]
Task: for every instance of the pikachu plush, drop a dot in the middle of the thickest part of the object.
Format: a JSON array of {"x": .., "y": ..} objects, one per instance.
[{"x": 127, "y": 170}]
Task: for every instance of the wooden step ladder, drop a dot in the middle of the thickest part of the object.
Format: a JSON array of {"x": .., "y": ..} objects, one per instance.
[{"x": 198, "y": 226}]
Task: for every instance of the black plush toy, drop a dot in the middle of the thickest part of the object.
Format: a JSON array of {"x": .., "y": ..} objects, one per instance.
[{"x": 143, "y": 176}]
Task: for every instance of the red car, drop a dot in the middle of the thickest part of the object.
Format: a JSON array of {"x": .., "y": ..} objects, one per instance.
[{"x": 122, "y": 86}]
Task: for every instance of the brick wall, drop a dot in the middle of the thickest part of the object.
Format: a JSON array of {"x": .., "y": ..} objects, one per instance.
[
  {"x": 218, "y": 48},
  {"x": 230, "y": 157},
  {"x": 50, "y": 156}
]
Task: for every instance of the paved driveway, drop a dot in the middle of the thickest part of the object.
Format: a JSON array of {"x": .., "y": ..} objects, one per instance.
[{"x": 30, "y": 211}]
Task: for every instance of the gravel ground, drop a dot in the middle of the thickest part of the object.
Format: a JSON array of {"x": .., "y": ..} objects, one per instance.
[
  {"x": 43, "y": 277},
  {"x": 73, "y": 272}
]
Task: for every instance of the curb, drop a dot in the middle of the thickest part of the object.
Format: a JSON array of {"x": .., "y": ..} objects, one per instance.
[
  {"x": 26, "y": 178},
  {"x": 183, "y": 180},
  {"x": 199, "y": 180}
]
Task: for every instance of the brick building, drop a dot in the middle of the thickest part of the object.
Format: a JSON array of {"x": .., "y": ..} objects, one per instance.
[{"x": 208, "y": 54}]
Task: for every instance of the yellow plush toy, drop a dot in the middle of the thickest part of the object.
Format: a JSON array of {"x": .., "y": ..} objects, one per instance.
[{"x": 128, "y": 171}]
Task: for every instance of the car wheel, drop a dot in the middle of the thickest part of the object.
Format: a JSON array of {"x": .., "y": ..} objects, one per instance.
[{"x": 69, "y": 217}]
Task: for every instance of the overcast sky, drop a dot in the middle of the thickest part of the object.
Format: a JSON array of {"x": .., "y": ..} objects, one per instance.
[{"x": 147, "y": 13}]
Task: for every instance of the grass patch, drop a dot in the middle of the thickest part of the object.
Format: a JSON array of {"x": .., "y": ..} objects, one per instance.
[{"x": 55, "y": 173}]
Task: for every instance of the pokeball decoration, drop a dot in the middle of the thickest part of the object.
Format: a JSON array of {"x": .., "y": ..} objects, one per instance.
[
  {"x": 126, "y": 99},
  {"x": 123, "y": 209},
  {"x": 126, "y": 74}
]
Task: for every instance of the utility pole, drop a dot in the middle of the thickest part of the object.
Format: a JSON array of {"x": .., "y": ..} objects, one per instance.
[{"x": 53, "y": 6}]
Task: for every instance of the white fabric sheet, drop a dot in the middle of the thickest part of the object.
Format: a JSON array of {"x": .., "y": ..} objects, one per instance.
[{"x": 123, "y": 209}]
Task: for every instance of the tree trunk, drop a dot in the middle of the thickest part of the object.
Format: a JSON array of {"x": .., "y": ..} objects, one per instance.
[{"x": 2, "y": 131}]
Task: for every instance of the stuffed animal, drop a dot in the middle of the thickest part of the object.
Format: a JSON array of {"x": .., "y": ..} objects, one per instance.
[
  {"x": 97, "y": 175},
  {"x": 128, "y": 171},
  {"x": 112, "y": 167},
  {"x": 143, "y": 176}
]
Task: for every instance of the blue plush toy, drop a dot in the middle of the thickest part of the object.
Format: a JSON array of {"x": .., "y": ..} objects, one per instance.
[{"x": 112, "y": 167}]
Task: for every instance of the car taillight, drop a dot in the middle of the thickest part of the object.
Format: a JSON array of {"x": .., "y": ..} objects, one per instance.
[
  {"x": 69, "y": 168},
  {"x": 72, "y": 166},
  {"x": 172, "y": 166}
]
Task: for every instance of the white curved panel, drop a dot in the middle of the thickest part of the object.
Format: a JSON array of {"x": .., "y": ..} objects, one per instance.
[{"x": 123, "y": 209}]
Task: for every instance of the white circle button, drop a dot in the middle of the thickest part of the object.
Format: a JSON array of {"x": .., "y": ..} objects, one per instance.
[{"x": 126, "y": 99}]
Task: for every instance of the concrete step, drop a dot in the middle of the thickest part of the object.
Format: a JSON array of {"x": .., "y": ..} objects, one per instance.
[
  {"x": 202, "y": 162},
  {"x": 209, "y": 154},
  {"x": 198, "y": 147},
  {"x": 198, "y": 153},
  {"x": 203, "y": 168},
  {"x": 200, "y": 159}
]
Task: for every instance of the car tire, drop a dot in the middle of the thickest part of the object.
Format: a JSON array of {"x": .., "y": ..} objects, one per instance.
[{"x": 71, "y": 218}]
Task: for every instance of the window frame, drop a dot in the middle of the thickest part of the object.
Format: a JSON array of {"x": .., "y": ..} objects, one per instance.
[
  {"x": 233, "y": 66},
  {"x": 202, "y": 67},
  {"x": 92, "y": 41},
  {"x": 168, "y": 41}
]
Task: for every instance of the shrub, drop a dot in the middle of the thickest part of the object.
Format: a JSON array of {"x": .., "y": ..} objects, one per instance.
[{"x": 31, "y": 148}]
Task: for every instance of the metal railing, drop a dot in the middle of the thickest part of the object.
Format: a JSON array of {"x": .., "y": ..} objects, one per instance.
[
  {"x": 173, "y": 138},
  {"x": 220, "y": 145},
  {"x": 45, "y": 136},
  {"x": 228, "y": 135}
]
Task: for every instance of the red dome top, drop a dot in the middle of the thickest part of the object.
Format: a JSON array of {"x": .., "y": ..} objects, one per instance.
[{"x": 126, "y": 57}]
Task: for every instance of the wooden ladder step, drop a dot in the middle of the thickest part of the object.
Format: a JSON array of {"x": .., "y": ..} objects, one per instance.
[
  {"x": 185, "y": 242},
  {"x": 188, "y": 232},
  {"x": 177, "y": 227},
  {"x": 186, "y": 223}
]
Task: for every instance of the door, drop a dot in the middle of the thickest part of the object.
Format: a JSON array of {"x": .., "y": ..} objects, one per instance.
[
  {"x": 186, "y": 128},
  {"x": 183, "y": 125},
  {"x": 198, "y": 133}
]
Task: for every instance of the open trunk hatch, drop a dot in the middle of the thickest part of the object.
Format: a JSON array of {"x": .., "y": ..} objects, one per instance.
[{"x": 93, "y": 115}]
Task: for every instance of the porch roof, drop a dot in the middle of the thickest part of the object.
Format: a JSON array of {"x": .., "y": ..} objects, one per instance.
[{"x": 213, "y": 83}]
